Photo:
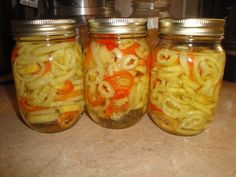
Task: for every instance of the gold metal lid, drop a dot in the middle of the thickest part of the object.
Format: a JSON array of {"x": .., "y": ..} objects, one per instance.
[
  {"x": 151, "y": 4},
  {"x": 43, "y": 27},
  {"x": 192, "y": 26},
  {"x": 117, "y": 25}
]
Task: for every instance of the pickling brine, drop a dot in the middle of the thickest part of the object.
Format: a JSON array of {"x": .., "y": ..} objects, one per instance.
[
  {"x": 184, "y": 89},
  {"x": 116, "y": 79},
  {"x": 186, "y": 77},
  {"x": 49, "y": 81}
]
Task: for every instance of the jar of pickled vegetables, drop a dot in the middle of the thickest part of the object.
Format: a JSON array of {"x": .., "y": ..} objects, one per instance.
[
  {"x": 186, "y": 74},
  {"x": 47, "y": 68},
  {"x": 116, "y": 68}
]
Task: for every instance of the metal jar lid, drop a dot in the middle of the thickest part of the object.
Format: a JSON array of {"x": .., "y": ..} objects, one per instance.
[
  {"x": 192, "y": 26},
  {"x": 117, "y": 25},
  {"x": 151, "y": 4},
  {"x": 43, "y": 27},
  {"x": 81, "y": 7}
]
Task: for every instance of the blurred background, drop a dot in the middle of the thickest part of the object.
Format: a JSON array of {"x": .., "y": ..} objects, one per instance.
[{"x": 84, "y": 9}]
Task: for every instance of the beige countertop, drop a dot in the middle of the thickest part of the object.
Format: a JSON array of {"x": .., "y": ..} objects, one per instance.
[{"x": 88, "y": 150}]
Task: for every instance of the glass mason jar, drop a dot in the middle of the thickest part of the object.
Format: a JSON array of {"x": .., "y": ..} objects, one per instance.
[
  {"x": 47, "y": 68},
  {"x": 186, "y": 74},
  {"x": 153, "y": 10},
  {"x": 116, "y": 68}
]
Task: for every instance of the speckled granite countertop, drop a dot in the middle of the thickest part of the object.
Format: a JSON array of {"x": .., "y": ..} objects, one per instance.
[{"x": 88, "y": 150}]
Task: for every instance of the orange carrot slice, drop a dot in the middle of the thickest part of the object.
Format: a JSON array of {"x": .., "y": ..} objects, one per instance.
[
  {"x": 109, "y": 43},
  {"x": 67, "y": 119},
  {"x": 63, "y": 97},
  {"x": 122, "y": 89},
  {"x": 68, "y": 87},
  {"x": 131, "y": 49},
  {"x": 27, "y": 107},
  {"x": 116, "y": 78},
  {"x": 154, "y": 108},
  {"x": 48, "y": 66}
]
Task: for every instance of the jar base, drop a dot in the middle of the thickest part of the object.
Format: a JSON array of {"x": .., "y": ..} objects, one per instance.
[
  {"x": 181, "y": 132},
  {"x": 126, "y": 121},
  {"x": 175, "y": 130},
  {"x": 52, "y": 127},
  {"x": 49, "y": 128}
]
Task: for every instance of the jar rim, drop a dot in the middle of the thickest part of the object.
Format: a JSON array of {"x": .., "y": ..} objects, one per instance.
[
  {"x": 41, "y": 27},
  {"x": 117, "y": 25},
  {"x": 192, "y": 26}
]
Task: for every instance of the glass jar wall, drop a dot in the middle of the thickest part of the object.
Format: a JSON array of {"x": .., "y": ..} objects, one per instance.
[
  {"x": 47, "y": 68},
  {"x": 116, "y": 67},
  {"x": 186, "y": 74}
]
